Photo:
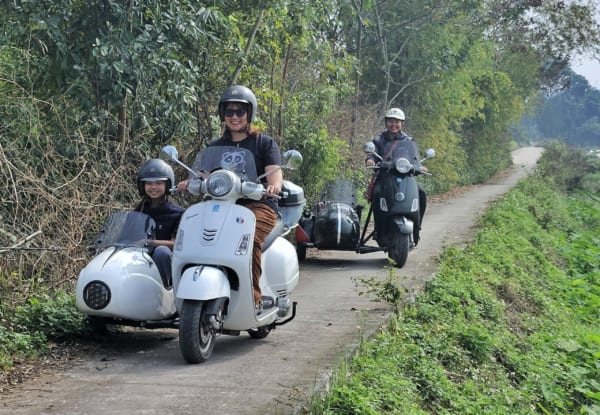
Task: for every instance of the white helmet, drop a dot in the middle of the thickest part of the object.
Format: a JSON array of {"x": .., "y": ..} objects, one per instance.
[{"x": 395, "y": 113}]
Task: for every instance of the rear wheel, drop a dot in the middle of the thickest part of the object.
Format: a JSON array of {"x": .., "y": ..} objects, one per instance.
[
  {"x": 399, "y": 249},
  {"x": 301, "y": 251},
  {"x": 196, "y": 337}
]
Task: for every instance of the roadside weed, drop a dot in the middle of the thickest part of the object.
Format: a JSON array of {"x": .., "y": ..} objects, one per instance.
[{"x": 508, "y": 326}]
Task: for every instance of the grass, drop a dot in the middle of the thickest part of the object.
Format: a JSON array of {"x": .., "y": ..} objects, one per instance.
[{"x": 508, "y": 326}]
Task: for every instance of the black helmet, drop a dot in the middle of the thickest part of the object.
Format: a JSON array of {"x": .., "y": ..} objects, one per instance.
[
  {"x": 154, "y": 170},
  {"x": 238, "y": 93}
]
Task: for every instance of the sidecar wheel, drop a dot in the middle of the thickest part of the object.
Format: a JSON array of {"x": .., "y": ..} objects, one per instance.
[
  {"x": 399, "y": 249},
  {"x": 196, "y": 337},
  {"x": 259, "y": 333},
  {"x": 98, "y": 325},
  {"x": 301, "y": 251}
]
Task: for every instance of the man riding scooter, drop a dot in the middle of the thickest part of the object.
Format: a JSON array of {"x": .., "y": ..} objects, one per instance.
[{"x": 384, "y": 146}]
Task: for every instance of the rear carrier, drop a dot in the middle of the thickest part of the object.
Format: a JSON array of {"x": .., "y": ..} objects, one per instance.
[{"x": 291, "y": 204}]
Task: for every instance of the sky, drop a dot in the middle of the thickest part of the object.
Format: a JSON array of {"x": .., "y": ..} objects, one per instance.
[{"x": 588, "y": 68}]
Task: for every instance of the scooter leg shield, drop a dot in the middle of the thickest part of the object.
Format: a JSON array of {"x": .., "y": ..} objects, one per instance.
[{"x": 203, "y": 283}]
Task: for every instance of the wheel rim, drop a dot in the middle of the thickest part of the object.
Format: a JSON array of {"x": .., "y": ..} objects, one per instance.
[
  {"x": 196, "y": 337},
  {"x": 206, "y": 337}
]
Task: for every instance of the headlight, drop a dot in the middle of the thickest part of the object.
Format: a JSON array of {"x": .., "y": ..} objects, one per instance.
[
  {"x": 219, "y": 184},
  {"x": 96, "y": 295},
  {"x": 403, "y": 165}
]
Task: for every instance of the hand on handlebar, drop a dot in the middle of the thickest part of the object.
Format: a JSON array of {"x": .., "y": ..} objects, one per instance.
[
  {"x": 424, "y": 170},
  {"x": 182, "y": 185},
  {"x": 273, "y": 191}
]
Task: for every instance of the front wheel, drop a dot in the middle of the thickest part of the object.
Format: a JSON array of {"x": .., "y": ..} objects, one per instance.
[
  {"x": 196, "y": 337},
  {"x": 398, "y": 250}
]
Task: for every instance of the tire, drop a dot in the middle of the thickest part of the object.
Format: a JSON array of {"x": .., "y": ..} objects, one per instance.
[
  {"x": 399, "y": 249},
  {"x": 259, "y": 333},
  {"x": 196, "y": 337},
  {"x": 98, "y": 325},
  {"x": 301, "y": 251}
]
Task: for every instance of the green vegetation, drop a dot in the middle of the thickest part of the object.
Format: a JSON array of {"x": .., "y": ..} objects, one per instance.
[
  {"x": 26, "y": 334},
  {"x": 508, "y": 326}
]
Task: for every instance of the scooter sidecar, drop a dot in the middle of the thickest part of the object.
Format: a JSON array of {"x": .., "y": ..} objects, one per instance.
[
  {"x": 333, "y": 223},
  {"x": 122, "y": 284}
]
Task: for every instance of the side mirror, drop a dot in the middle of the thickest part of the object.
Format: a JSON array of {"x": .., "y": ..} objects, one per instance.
[
  {"x": 428, "y": 154},
  {"x": 169, "y": 154},
  {"x": 292, "y": 159},
  {"x": 369, "y": 147}
]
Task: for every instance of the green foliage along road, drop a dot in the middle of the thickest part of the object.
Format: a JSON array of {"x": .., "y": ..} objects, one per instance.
[
  {"x": 89, "y": 90},
  {"x": 509, "y": 325}
]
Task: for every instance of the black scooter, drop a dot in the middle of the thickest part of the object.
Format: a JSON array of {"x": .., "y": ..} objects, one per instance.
[{"x": 333, "y": 223}]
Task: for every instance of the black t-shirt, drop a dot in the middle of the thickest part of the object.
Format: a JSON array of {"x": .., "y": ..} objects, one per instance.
[{"x": 266, "y": 153}]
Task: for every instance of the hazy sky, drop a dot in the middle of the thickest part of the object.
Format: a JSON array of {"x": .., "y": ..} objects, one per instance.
[{"x": 590, "y": 69}]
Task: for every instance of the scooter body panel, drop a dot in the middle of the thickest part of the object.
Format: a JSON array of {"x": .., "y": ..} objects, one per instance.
[
  {"x": 395, "y": 206},
  {"x": 281, "y": 271},
  {"x": 397, "y": 195},
  {"x": 220, "y": 235},
  {"x": 132, "y": 286},
  {"x": 214, "y": 233},
  {"x": 203, "y": 283}
]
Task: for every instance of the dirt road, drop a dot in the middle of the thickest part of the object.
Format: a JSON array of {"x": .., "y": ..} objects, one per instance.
[{"x": 142, "y": 372}]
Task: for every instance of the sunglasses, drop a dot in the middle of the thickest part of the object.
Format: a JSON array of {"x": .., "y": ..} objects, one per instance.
[{"x": 240, "y": 112}]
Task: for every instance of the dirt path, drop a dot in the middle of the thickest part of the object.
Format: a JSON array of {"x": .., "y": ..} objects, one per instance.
[{"x": 142, "y": 372}]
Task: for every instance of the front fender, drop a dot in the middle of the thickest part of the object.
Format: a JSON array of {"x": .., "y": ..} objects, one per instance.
[
  {"x": 203, "y": 283},
  {"x": 404, "y": 224}
]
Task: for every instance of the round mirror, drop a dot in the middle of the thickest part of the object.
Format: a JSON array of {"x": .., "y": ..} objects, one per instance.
[
  {"x": 369, "y": 147},
  {"x": 168, "y": 154},
  {"x": 292, "y": 159}
]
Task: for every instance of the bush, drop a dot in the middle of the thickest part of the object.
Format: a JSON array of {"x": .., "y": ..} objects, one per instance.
[{"x": 55, "y": 317}]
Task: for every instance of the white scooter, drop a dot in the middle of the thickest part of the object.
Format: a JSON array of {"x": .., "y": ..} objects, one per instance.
[
  {"x": 212, "y": 257},
  {"x": 122, "y": 285}
]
